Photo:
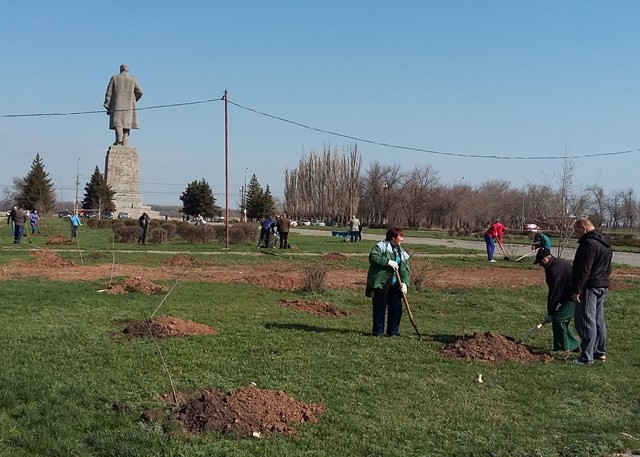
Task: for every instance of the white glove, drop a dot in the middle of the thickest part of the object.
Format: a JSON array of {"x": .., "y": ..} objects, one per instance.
[
  {"x": 403, "y": 288},
  {"x": 548, "y": 318},
  {"x": 393, "y": 264}
]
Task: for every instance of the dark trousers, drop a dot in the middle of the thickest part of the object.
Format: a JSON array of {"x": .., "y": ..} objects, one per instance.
[
  {"x": 143, "y": 236},
  {"x": 354, "y": 235},
  {"x": 381, "y": 302},
  {"x": 74, "y": 231},
  {"x": 284, "y": 240}
]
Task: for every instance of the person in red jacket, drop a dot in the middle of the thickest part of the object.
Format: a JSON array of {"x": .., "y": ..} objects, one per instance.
[{"x": 493, "y": 233}]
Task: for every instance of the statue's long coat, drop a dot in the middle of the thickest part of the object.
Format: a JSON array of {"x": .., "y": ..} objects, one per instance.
[{"x": 120, "y": 100}]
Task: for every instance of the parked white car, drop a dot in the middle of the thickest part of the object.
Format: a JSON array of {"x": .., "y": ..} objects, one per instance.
[
  {"x": 533, "y": 228},
  {"x": 293, "y": 223}
]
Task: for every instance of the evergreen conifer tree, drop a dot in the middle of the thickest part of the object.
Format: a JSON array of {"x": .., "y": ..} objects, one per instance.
[
  {"x": 36, "y": 191},
  {"x": 198, "y": 198},
  {"x": 98, "y": 194}
]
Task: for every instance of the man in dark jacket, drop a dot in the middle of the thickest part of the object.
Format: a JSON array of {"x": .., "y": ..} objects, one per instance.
[
  {"x": 560, "y": 305},
  {"x": 591, "y": 272},
  {"x": 284, "y": 225}
]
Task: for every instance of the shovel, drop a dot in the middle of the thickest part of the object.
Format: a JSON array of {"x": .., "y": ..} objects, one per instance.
[
  {"x": 506, "y": 257},
  {"x": 406, "y": 305},
  {"x": 530, "y": 332},
  {"x": 527, "y": 254}
]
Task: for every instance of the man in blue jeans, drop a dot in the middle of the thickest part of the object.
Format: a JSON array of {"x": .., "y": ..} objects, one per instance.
[{"x": 591, "y": 273}]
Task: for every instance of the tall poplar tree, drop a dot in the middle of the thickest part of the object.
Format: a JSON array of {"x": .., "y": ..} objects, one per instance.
[{"x": 36, "y": 191}]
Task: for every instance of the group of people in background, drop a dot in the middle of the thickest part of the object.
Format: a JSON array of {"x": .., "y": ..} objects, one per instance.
[
  {"x": 279, "y": 228},
  {"x": 18, "y": 218},
  {"x": 575, "y": 291}
]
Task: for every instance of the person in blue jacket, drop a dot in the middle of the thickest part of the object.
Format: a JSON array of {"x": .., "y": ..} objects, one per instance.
[
  {"x": 267, "y": 225},
  {"x": 74, "y": 221},
  {"x": 383, "y": 287}
]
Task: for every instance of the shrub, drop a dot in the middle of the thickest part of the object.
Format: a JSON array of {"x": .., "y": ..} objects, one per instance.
[
  {"x": 171, "y": 230},
  {"x": 314, "y": 277},
  {"x": 158, "y": 235},
  {"x": 196, "y": 233},
  {"x": 422, "y": 271},
  {"x": 126, "y": 234}
]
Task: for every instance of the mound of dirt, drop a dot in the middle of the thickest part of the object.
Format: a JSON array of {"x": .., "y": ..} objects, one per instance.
[
  {"x": 168, "y": 327},
  {"x": 334, "y": 256},
  {"x": 248, "y": 411},
  {"x": 315, "y": 307},
  {"x": 136, "y": 284},
  {"x": 180, "y": 260},
  {"x": 59, "y": 240},
  {"x": 278, "y": 281},
  {"x": 44, "y": 258},
  {"x": 491, "y": 347}
]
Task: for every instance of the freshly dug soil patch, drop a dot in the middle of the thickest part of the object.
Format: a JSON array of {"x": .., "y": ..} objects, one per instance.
[
  {"x": 59, "y": 239},
  {"x": 315, "y": 307},
  {"x": 491, "y": 347},
  {"x": 136, "y": 284},
  {"x": 180, "y": 260},
  {"x": 168, "y": 327},
  {"x": 248, "y": 411},
  {"x": 44, "y": 258},
  {"x": 334, "y": 256}
]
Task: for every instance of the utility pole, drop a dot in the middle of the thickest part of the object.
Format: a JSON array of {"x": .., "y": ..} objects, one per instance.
[{"x": 226, "y": 168}]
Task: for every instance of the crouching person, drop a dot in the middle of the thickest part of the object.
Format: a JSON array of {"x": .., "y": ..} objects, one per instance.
[{"x": 560, "y": 304}]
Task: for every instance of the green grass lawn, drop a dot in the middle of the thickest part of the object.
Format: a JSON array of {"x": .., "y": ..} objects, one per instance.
[{"x": 62, "y": 369}]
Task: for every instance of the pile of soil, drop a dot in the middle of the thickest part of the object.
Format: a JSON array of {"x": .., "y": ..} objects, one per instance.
[
  {"x": 136, "y": 284},
  {"x": 491, "y": 347},
  {"x": 248, "y": 411},
  {"x": 278, "y": 281},
  {"x": 180, "y": 260},
  {"x": 44, "y": 258},
  {"x": 315, "y": 307},
  {"x": 334, "y": 256},
  {"x": 168, "y": 327},
  {"x": 59, "y": 239}
]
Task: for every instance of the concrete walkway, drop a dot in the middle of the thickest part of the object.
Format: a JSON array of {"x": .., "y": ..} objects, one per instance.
[{"x": 513, "y": 250}]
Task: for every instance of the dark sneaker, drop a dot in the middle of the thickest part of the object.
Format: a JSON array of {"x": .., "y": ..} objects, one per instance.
[{"x": 580, "y": 362}]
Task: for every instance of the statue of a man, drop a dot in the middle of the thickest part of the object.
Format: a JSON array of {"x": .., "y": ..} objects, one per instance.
[{"x": 120, "y": 100}]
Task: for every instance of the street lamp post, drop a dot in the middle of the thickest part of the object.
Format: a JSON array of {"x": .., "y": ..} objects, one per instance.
[
  {"x": 75, "y": 205},
  {"x": 244, "y": 195},
  {"x": 385, "y": 196}
]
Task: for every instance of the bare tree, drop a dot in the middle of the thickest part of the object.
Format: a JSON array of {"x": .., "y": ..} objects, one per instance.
[{"x": 414, "y": 194}]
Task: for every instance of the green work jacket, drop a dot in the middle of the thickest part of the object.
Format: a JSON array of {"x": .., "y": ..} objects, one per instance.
[{"x": 380, "y": 274}]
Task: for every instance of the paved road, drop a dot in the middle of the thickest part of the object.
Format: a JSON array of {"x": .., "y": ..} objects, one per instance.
[{"x": 513, "y": 250}]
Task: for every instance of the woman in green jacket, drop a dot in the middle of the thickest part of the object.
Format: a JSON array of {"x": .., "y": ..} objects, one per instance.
[{"x": 382, "y": 285}]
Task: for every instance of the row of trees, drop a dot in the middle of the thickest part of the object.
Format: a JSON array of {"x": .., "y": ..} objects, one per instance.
[{"x": 332, "y": 186}]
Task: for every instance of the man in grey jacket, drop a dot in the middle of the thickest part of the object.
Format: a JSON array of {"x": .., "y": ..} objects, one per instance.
[
  {"x": 591, "y": 273},
  {"x": 120, "y": 100}
]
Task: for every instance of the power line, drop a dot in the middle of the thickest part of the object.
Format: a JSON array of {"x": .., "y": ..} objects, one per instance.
[
  {"x": 78, "y": 113},
  {"x": 429, "y": 151},
  {"x": 341, "y": 135}
]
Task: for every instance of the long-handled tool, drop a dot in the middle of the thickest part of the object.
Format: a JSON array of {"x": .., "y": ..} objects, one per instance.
[
  {"x": 527, "y": 254},
  {"x": 407, "y": 307},
  {"x": 530, "y": 332},
  {"x": 506, "y": 257}
]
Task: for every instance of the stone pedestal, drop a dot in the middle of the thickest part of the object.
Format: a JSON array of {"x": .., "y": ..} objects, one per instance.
[{"x": 122, "y": 174}]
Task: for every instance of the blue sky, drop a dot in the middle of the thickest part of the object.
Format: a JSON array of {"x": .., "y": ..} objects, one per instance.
[{"x": 505, "y": 78}]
